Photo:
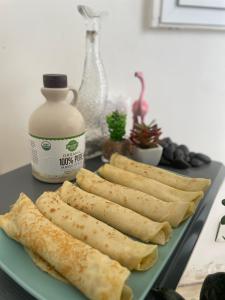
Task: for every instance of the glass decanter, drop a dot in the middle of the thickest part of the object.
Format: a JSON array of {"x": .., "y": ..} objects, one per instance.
[{"x": 93, "y": 91}]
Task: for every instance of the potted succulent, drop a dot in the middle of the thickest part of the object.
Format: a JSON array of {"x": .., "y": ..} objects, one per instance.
[
  {"x": 116, "y": 122},
  {"x": 145, "y": 139}
]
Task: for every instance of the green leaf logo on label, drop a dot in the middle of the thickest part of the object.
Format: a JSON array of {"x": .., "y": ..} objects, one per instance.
[
  {"x": 72, "y": 145},
  {"x": 46, "y": 145}
]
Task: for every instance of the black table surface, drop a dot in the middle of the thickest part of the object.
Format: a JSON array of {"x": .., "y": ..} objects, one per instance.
[{"x": 20, "y": 180}]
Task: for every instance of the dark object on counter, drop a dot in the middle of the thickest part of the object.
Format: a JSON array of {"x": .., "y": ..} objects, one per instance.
[
  {"x": 180, "y": 157},
  {"x": 179, "y": 154},
  {"x": 213, "y": 287},
  {"x": 165, "y": 141},
  {"x": 168, "y": 151},
  {"x": 180, "y": 164},
  {"x": 184, "y": 149},
  {"x": 164, "y": 161},
  {"x": 166, "y": 294},
  {"x": 195, "y": 162},
  {"x": 203, "y": 158}
]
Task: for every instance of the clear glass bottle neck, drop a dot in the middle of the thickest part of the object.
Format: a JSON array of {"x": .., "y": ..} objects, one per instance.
[{"x": 92, "y": 41}]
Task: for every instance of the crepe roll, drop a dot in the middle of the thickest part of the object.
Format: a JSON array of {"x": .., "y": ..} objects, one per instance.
[
  {"x": 142, "y": 203},
  {"x": 93, "y": 273},
  {"x": 177, "y": 181},
  {"x": 149, "y": 186},
  {"x": 117, "y": 216},
  {"x": 130, "y": 253},
  {"x": 44, "y": 266}
]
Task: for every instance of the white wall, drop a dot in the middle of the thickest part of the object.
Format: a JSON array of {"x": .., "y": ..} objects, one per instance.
[{"x": 185, "y": 70}]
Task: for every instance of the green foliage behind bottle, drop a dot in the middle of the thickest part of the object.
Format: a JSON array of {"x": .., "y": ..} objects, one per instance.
[{"x": 116, "y": 124}]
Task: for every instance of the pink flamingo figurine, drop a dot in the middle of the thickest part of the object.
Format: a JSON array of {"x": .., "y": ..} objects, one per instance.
[{"x": 140, "y": 106}]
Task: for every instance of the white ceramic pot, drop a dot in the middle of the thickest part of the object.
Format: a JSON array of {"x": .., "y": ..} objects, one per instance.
[{"x": 150, "y": 156}]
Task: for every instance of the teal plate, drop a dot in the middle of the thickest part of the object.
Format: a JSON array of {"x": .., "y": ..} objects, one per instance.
[{"x": 18, "y": 265}]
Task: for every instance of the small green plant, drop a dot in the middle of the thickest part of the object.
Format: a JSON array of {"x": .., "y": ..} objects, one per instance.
[
  {"x": 116, "y": 124},
  {"x": 145, "y": 136}
]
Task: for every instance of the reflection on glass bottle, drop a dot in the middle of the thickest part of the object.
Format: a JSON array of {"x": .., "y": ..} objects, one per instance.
[{"x": 92, "y": 94}]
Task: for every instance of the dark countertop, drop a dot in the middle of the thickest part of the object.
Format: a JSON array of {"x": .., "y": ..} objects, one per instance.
[{"x": 20, "y": 180}]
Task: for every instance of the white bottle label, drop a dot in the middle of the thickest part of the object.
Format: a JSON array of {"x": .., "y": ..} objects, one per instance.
[{"x": 57, "y": 157}]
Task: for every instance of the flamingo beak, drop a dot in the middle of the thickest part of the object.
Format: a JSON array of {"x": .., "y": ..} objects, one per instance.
[{"x": 138, "y": 74}]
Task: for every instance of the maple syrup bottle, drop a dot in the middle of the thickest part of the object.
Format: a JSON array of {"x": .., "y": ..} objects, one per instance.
[{"x": 56, "y": 133}]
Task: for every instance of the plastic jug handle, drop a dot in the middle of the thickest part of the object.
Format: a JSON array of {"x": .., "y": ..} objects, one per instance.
[{"x": 74, "y": 99}]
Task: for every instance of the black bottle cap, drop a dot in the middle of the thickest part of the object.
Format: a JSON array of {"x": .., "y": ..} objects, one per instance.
[{"x": 55, "y": 81}]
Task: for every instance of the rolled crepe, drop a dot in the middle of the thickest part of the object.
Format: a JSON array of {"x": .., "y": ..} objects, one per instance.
[
  {"x": 149, "y": 186},
  {"x": 92, "y": 272},
  {"x": 142, "y": 203},
  {"x": 130, "y": 253},
  {"x": 44, "y": 266},
  {"x": 177, "y": 181},
  {"x": 119, "y": 217}
]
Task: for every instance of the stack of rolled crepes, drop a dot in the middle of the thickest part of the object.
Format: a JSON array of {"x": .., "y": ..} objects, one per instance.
[
  {"x": 132, "y": 254},
  {"x": 82, "y": 233},
  {"x": 121, "y": 183},
  {"x": 155, "y": 182},
  {"x": 142, "y": 203},
  {"x": 115, "y": 215},
  {"x": 95, "y": 274}
]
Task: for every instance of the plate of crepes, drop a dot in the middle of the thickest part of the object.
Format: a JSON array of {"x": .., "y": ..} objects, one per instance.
[{"x": 107, "y": 237}]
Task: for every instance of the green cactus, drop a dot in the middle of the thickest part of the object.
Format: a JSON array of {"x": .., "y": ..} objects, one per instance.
[{"x": 116, "y": 124}]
